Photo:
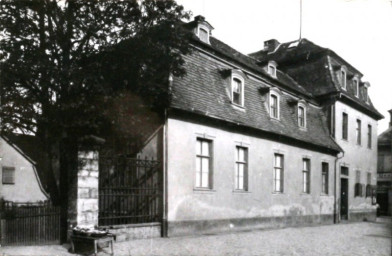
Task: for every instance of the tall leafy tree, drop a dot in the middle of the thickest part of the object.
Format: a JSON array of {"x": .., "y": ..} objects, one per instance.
[{"x": 63, "y": 62}]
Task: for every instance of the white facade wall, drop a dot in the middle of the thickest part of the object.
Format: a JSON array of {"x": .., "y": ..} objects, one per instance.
[
  {"x": 186, "y": 203},
  {"x": 357, "y": 157},
  {"x": 26, "y": 187}
]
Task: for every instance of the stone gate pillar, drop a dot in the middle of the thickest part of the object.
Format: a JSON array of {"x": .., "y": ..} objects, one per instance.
[{"x": 83, "y": 191}]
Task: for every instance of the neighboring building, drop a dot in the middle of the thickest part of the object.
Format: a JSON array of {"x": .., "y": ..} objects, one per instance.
[
  {"x": 20, "y": 181},
  {"x": 285, "y": 136},
  {"x": 384, "y": 171},
  {"x": 352, "y": 119}
]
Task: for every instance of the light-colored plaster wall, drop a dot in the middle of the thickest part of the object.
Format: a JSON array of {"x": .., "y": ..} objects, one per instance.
[
  {"x": 222, "y": 202},
  {"x": 357, "y": 157},
  {"x": 26, "y": 187}
]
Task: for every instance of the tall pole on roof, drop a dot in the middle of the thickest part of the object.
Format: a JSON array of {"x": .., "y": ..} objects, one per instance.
[{"x": 300, "y": 19}]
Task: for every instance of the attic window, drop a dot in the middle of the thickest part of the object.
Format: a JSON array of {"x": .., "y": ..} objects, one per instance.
[
  {"x": 356, "y": 86},
  {"x": 366, "y": 93},
  {"x": 272, "y": 68},
  {"x": 301, "y": 115},
  {"x": 343, "y": 78},
  {"x": 237, "y": 90},
  {"x": 8, "y": 176},
  {"x": 204, "y": 35}
]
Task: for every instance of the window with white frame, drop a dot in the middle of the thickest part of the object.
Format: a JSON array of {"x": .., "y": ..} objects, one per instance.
[
  {"x": 356, "y": 87},
  {"x": 203, "y": 35},
  {"x": 272, "y": 69},
  {"x": 8, "y": 176},
  {"x": 237, "y": 90},
  {"x": 324, "y": 178},
  {"x": 278, "y": 173},
  {"x": 203, "y": 163},
  {"x": 274, "y": 105},
  {"x": 241, "y": 169},
  {"x": 343, "y": 74},
  {"x": 301, "y": 116},
  {"x": 306, "y": 175}
]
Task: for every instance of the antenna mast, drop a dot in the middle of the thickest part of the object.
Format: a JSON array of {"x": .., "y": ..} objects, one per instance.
[{"x": 300, "y": 19}]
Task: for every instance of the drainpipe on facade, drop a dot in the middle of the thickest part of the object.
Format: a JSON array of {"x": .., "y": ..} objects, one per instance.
[
  {"x": 164, "y": 226},
  {"x": 335, "y": 214}
]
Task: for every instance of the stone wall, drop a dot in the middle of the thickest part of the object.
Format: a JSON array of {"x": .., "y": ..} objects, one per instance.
[{"x": 83, "y": 191}]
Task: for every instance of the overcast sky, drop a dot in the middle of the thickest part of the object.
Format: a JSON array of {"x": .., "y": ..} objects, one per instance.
[{"x": 360, "y": 31}]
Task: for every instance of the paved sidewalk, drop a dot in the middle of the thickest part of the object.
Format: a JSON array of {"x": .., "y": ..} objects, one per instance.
[{"x": 364, "y": 238}]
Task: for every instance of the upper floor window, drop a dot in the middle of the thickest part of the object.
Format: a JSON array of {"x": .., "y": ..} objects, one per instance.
[
  {"x": 272, "y": 68},
  {"x": 8, "y": 176},
  {"x": 369, "y": 135},
  {"x": 301, "y": 116},
  {"x": 344, "y": 126},
  {"x": 241, "y": 169},
  {"x": 203, "y": 163},
  {"x": 343, "y": 74},
  {"x": 274, "y": 106},
  {"x": 366, "y": 91},
  {"x": 237, "y": 91},
  {"x": 358, "y": 132}
]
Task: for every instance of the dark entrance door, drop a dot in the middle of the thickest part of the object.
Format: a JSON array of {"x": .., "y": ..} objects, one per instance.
[{"x": 344, "y": 199}]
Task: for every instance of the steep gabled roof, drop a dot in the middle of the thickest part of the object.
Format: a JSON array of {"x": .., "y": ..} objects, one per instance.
[
  {"x": 385, "y": 138},
  {"x": 204, "y": 91},
  {"x": 315, "y": 67}
]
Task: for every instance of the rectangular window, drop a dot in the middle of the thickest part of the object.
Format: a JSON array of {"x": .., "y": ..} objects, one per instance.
[
  {"x": 344, "y": 79},
  {"x": 356, "y": 87},
  {"x": 344, "y": 170},
  {"x": 203, "y": 35},
  {"x": 278, "y": 173},
  {"x": 358, "y": 132},
  {"x": 203, "y": 163},
  {"x": 241, "y": 169},
  {"x": 369, "y": 135},
  {"x": 8, "y": 175},
  {"x": 369, "y": 185},
  {"x": 358, "y": 185},
  {"x": 324, "y": 178},
  {"x": 274, "y": 106},
  {"x": 306, "y": 175},
  {"x": 344, "y": 126}
]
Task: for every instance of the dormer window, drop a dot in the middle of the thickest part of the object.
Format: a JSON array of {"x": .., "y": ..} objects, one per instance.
[
  {"x": 204, "y": 35},
  {"x": 271, "y": 68},
  {"x": 274, "y": 104},
  {"x": 237, "y": 90},
  {"x": 203, "y": 29},
  {"x": 301, "y": 116},
  {"x": 366, "y": 93},
  {"x": 356, "y": 86},
  {"x": 343, "y": 78}
]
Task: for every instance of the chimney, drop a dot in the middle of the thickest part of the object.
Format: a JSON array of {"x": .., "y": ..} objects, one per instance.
[
  {"x": 270, "y": 45},
  {"x": 390, "y": 121},
  {"x": 199, "y": 18}
]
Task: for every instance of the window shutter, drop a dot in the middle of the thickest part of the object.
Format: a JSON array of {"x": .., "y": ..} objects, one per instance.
[{"x": 246, "y": 181}]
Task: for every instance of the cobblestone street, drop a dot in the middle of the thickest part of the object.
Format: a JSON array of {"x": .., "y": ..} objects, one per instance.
[{"x": 343, "y": 239}]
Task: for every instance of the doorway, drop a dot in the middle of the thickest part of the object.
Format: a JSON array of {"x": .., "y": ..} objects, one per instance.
[{"x": 344, "y": 199}]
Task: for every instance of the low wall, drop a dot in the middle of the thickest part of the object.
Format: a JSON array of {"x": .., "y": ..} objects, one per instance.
[
  {"x": 179, "y": 228},
  {"x": 136, "y": 231}
]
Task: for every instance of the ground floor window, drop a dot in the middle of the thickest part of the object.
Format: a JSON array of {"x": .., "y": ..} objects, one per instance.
[
  {"x": 306, "y": 175},
  {"x": 241, "y": 169},
  {"x": 324, "y": 178},
  {"x": 203, "y": 164},
  {"x": 278, "y": 173}
]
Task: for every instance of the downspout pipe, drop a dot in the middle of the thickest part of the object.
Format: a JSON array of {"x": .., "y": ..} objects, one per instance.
[
  {"x": 335, "y": 213},
  {"x": 164, "y": 227}
]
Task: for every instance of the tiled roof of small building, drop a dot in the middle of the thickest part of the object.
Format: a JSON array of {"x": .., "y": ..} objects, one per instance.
[
  {"x": 204, "y": 90},
  {"x": 315, "y": 68},
  {"x": 385, "y": 138}
]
